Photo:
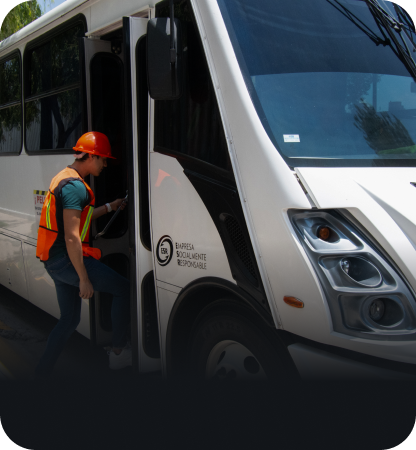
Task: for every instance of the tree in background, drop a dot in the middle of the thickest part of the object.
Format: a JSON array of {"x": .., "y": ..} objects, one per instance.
[
  {"x": 20, "y": 16},
  {"x": 383, "y": 131}
]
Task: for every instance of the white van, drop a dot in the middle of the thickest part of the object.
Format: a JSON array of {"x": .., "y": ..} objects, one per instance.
[{"x": 268, "y": 149}]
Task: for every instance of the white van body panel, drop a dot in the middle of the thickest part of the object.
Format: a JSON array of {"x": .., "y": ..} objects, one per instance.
[
  {"x": 178, "y": 212},
  {"x": 17, "y": 211}
]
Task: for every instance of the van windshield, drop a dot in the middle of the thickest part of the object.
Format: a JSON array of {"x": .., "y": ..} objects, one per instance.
[{"x": 328, "y": 84}]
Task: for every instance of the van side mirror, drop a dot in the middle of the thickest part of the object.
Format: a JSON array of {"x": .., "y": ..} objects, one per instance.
[{"x": 164, "y": 59}]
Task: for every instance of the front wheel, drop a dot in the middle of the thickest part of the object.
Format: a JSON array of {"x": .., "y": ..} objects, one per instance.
[{"x": 227, "y": 342}]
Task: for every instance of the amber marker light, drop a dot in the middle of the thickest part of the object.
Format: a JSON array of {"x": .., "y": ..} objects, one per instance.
[
  {"x": 324, "y": 233},
  {"x": 292, "y": 301}
]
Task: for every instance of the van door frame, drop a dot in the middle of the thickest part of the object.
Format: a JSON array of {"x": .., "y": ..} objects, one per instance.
[
  {"x": 141, "y": 259},
  {"x": 90, "y": 48}
]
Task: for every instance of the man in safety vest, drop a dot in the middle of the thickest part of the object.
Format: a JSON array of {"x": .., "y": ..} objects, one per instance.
[{"x": 63, "y": 246}]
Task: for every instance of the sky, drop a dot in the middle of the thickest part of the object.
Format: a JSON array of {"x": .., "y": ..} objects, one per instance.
[{"x": 47, "y": 5}]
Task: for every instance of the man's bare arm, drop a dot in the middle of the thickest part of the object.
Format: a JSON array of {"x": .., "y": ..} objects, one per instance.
[
  {"x": 98, "y": 212},
  {"x": 72, "y": 220},
  {"x": 101, "y": 210}
]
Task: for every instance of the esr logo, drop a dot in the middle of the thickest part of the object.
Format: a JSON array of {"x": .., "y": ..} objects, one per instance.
[{"x": 164, "y": 250}]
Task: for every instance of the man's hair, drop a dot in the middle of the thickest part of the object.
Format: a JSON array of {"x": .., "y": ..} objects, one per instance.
[{"x": 85, "y": 157}]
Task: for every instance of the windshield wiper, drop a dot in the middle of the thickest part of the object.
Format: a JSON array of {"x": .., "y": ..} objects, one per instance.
[
  {"x": 395, "y": 30},
  {"x": 409, "y": 27},
  {"x": 386, "y": 24},
  {"x": 359, "y": 23}
]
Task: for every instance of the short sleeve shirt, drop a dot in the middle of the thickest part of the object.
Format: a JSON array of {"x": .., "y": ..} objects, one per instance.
[{"x": 75, "y": 195}]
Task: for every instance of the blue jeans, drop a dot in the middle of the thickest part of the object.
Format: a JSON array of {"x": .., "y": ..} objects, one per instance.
[{"x": 66, "y": 281}]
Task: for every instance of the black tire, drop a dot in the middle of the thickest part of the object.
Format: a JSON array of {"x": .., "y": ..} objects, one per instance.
[{"x": 227, "y": 321}]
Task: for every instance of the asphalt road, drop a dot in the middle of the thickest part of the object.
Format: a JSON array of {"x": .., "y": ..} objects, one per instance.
[{"x": 24, "y": 329}]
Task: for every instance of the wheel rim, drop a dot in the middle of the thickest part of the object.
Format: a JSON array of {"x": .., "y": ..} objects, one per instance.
[{"x": 232, "y": 360}]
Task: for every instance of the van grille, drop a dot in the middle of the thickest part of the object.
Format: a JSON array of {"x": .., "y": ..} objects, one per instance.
[{"x": 239, "y": 243}]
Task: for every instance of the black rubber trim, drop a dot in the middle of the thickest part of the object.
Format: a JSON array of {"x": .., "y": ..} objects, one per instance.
[
  {"x": 382, "y": 363},
  {"x": 8, "y": 105},
  {"x": 150, "y": 323},
  {"x": 223, "y": 202},
  {"x": 197, "y": 165},
  {"x": 50, "y": 92}
]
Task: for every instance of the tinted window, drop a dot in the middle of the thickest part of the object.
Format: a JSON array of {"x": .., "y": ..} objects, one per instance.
[
  {"x": 107, "y": 116},
  {"x": 327, "y": 85},
  {"x": 10, "y": 86},
  {"x": 53, "y": 97},
  {"x": 192, "y": 125},
  {"x": 10, "y": 106},
  {"x": 143, "y": 105},
  {"x": 53, "y": 122}
]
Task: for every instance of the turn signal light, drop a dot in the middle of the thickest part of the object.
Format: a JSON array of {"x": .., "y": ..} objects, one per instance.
[
  {"x": 324, "y": 233},
  {"x": 292, "y": 301}
]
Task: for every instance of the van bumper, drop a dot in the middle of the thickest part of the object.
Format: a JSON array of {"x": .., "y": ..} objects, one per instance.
[{"x": 317, "y": 364}]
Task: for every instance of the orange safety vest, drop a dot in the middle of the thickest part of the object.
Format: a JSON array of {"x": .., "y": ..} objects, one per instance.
[{"x": 51, "y": 223}]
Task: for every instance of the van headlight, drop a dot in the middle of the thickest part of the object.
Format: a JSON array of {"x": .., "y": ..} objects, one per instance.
[{"x": 367, "y": 296}]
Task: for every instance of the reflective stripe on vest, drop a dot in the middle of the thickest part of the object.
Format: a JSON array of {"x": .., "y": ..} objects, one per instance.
[
  {"x": 87, "y": 224},
  {"x": 48, "y": 213},
  {"x": 51, "y": 219}
]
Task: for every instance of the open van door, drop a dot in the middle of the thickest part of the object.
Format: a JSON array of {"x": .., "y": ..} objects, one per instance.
[
  {"x": 144, "y": 309},
  {"x": 104, "y": 80},
  {"x": 110, "y": 86}
]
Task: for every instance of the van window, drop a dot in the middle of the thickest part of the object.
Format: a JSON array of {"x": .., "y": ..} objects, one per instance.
[
  {"x": 52, "y": 92},
  {"x": 10, "y": 105},
  {"x": 191, "y": 125},
  {"x": 107, "y": 116}
]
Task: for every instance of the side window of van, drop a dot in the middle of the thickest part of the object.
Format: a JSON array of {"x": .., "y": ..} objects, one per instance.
[
  {"x": 52, "y": 91},
  {"x": 191, "y": 125},
  {"x": 10, "y": 105}
]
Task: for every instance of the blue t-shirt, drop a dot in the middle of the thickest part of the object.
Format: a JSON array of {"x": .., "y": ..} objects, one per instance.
[{"x": 74, "y": 195}]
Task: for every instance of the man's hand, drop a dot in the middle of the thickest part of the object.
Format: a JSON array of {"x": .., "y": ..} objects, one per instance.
[
  {"x": 101, "y": 210},
  {"x": 116, "y": 204},
  {"x": 85, "y": 289}
]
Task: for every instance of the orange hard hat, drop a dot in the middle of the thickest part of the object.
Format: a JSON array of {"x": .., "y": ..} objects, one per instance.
[{"x": 95, "y": 143}]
